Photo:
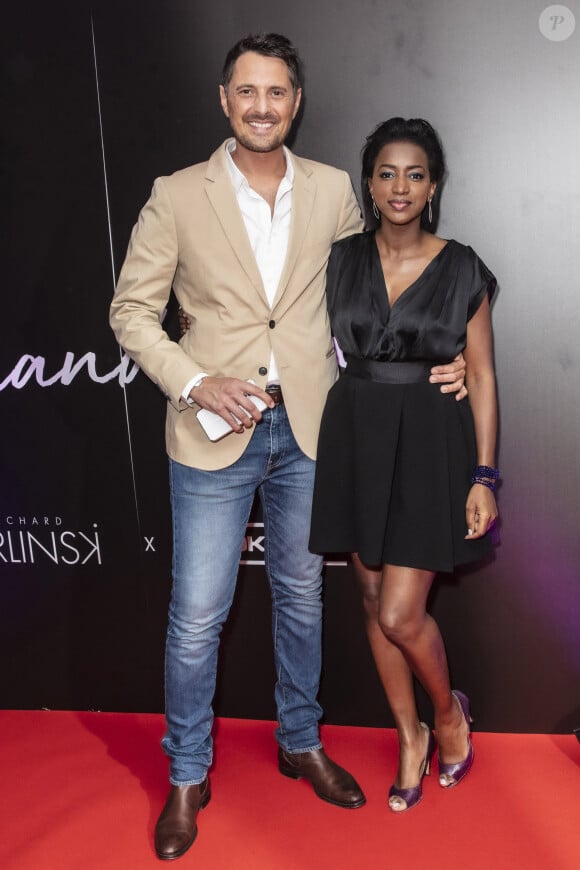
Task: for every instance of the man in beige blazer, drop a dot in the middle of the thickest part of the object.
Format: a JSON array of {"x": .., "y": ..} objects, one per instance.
[{"x": 244, "y": 241}]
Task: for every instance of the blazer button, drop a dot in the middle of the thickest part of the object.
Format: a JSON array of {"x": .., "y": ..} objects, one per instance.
[
  {"x": 262, "y": 370},
  {"x": 272, "y": 324}
]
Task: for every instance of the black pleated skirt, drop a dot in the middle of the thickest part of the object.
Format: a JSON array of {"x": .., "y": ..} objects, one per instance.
[{"x": 393, "y": 473}]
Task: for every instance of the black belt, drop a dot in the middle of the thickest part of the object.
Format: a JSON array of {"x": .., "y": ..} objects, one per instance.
[
  {"x": 275, "y": 393},
  {"x": 412, "y": 372}
]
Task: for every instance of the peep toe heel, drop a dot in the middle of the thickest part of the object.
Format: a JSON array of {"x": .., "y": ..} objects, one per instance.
[
  {"x": 452, "y": 774},
  {"x": 403, "y": 799}
]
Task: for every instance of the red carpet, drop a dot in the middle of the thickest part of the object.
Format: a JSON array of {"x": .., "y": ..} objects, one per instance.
[{"x": 83, "y": 790}]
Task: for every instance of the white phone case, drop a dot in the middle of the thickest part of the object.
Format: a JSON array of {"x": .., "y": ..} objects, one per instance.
[{"x": 215, "y": 427}]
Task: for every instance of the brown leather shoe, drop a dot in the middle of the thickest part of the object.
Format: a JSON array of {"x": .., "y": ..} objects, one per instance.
[
  {"x": 176, "y": 827},
  {"x": 330, "y": 782}
]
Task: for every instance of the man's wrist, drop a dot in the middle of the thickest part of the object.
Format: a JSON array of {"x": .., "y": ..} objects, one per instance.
[{"x": 191, "y": 385}]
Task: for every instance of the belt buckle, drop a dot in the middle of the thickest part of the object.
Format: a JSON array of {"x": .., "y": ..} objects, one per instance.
[{"x": 275, "y": 393}]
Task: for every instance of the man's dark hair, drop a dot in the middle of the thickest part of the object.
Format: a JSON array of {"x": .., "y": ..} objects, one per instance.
[
  {"x": 414, "y": 130},
  {"x": 270, "y": 45}
]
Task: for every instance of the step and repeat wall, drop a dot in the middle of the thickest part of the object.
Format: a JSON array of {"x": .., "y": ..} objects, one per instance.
[{"x": 103, "y": 98}]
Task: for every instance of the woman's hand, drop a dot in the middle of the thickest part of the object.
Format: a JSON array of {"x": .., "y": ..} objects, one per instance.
[
  {"x": 480, "y": 511},
  {"x": 451, "y": 376},
  {"x": 183, "y": 321}
]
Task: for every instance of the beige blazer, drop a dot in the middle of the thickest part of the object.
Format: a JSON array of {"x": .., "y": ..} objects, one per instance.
[{"x": 191, "y": 235}]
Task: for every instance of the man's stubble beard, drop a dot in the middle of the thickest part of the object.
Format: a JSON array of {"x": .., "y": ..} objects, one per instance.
[{"x": 257, "y": 147}]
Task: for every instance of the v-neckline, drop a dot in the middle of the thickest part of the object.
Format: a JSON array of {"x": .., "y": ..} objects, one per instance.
[{"x": 410, "y": 286}]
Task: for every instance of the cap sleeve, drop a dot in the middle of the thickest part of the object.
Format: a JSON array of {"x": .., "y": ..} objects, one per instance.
[
  {"x": 483, "y": 282},
  {"x": 333, "y": 272}
]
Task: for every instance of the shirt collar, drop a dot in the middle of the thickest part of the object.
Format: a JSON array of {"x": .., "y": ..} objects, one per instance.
[{"x": 239, "y": 180}]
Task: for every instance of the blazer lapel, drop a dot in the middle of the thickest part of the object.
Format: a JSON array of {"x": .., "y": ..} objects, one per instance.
[
  {"x": 222, "y": 197},
  {"x": 303, "y": 191}
]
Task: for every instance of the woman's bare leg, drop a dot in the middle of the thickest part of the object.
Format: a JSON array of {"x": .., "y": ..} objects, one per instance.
[
  {"x": 405, "y": 639},
  {"x": 396, "y": 678}
]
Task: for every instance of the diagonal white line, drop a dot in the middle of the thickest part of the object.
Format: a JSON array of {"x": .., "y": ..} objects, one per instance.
[{"x": 113, "y": 271}]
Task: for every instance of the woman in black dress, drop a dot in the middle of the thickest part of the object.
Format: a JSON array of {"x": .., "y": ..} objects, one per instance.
[{"x": 405, "y": 474}]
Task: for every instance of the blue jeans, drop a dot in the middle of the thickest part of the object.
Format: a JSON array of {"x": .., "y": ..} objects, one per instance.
[{"x": 210, "y": 514}]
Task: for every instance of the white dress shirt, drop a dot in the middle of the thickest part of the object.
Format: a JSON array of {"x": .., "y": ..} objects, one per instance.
[{"x": 268, "y": 234}]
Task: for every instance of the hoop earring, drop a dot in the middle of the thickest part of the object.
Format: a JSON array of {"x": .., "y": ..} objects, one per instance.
[
  {"x": 430, "y": 213},
  {"x": 376, "y": 211}
]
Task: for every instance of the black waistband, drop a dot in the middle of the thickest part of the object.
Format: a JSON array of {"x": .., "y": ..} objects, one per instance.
[{"x": 412, "y": 372}]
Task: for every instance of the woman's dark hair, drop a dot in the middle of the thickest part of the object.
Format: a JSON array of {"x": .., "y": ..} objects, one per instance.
[
  {"x": 414, "y": 130},
  {"x": 270, "y": 45}
]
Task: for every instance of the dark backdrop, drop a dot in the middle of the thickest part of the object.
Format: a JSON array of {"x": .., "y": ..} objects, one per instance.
[{"x": 103, "y": 97}]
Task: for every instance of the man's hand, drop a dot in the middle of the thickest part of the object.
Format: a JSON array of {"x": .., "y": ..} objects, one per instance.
[
  {"x": 228, "y": 397},
  {"x": 451, "y": 376}
]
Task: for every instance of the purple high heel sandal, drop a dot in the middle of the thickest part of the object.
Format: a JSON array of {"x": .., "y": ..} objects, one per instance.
[
  {"x": 412, "y": 796},
  {"x": 452, "y": 774}
]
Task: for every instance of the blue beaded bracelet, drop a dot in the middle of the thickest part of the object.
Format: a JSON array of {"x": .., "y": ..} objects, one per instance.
[
  {"x": 486, "y": 476},
  {"x": 486, "y": 471},
  {"x": 489, "y": 483}
]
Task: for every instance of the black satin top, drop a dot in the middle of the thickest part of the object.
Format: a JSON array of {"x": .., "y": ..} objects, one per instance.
[{"x": 427, "y": 322}]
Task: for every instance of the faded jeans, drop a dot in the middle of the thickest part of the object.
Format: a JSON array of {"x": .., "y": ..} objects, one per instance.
[{"x": 210, "y": 515}]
